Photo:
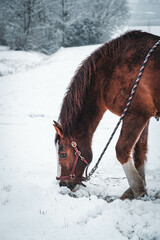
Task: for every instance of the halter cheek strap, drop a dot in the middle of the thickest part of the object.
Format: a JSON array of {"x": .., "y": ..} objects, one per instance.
[
  {"x": 77, "y": 152},
  {"x": 72, "y": 175}
]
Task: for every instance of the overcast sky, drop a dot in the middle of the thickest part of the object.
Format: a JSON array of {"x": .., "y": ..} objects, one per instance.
[{"x": 144, "y": 12}]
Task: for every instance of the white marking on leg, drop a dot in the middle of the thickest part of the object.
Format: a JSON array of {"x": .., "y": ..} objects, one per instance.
[{"x": 134, "y": 179}]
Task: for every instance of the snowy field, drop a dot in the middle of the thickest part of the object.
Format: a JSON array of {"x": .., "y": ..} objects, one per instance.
[{"x": 32, "y": 205}]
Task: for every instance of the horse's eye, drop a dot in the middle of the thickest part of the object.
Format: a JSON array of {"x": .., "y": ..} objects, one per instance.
[{"x": 63, "y": 155}]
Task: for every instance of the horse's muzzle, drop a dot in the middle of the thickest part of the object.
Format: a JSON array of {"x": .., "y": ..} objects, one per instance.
[{"x": 70, "y": 185}]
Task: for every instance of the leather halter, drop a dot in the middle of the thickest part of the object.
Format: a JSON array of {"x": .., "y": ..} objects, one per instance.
[{"x": 72, "y": 176}]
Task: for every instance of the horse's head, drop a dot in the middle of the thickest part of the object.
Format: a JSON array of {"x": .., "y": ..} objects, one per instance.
[{"x": 71, "y": 160}]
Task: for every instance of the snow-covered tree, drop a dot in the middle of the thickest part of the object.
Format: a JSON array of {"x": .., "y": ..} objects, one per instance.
[
  {"x": 46, "y": 25},
  {"x": 16, "y": 17},
  {"x": 30, "y": 24},
  {"x": 45, "y": 33},
  {"x": 92, "y": 21}
]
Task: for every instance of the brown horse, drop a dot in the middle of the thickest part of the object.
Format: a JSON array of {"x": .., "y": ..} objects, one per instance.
[{"x": 104, "y": 81}]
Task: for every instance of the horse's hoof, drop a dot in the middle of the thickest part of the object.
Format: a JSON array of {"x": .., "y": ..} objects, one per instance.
[
  {"x": 141, "y": 195},
  {"x": 128, "y": 194}
]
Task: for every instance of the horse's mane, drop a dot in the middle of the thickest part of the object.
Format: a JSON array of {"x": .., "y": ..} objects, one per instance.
[{"x": 75, "y": 98}]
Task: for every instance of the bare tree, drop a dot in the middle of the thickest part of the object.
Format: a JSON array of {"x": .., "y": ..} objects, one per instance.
[
  {"x": 46, "y": 25},
  {"x": 95, "y": 21},
  {"x": 30, "y": 24},
  {"x": 16, "y": 17}
]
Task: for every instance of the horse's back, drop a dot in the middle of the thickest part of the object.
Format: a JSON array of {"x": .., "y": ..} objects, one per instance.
[
  {"x": 149, "y": 89},
  {"x": 129, "y": 62}
]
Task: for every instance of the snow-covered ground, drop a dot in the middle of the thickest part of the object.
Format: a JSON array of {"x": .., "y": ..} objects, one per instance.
[{"x": 32, "y": 205}]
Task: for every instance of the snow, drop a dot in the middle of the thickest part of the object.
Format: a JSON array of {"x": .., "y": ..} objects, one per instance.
[
  {"x": 11, "y": 62},
  {"x": 4, "y": 48},
  {"x": 32, "y": 205}
]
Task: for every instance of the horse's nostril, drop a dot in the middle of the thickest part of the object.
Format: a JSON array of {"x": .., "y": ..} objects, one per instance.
[
  {"x": 62, "y": 184},
  {"x": 71, "y": 186}
]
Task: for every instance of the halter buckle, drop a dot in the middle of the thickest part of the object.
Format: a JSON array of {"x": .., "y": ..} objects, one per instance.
[
  {"x": 72, "y": 176},
  {"x": 73, "y": 144}
]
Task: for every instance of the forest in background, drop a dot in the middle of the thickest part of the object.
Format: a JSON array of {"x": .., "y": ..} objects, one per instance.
[{"x": 47, "y": 25}]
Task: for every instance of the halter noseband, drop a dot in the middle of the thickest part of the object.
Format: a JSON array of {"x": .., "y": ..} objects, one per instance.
[{"x": 72, "y": 176}]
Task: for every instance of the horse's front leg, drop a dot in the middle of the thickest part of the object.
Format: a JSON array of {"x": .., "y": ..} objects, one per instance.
[
  {"x": 131, "y": 131},
  {"x": 137, "y": 185},
  {"x": 139, "y": 157}
]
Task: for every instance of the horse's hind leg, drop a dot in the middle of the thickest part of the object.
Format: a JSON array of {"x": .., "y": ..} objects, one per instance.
[
  {"x": 139, "y": 156},
  {"x": 140, "y": 151},
  {"x": 132, "y": 129}
]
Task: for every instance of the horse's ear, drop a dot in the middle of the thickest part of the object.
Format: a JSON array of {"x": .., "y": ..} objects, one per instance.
[{"x": 58, "y": 128}]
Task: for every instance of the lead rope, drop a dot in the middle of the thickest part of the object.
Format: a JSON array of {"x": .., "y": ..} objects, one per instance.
[{"x": 126, "y": 108}]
